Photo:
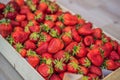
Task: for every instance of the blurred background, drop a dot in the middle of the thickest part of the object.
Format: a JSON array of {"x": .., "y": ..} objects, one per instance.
[{"x": 102, "y": 13}]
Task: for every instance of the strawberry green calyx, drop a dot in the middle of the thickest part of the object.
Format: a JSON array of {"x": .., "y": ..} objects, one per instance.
[
  {"x": 104, "y": 40},
  {"x": 48, "y": 17},
  {"x": 78, "y": 16},
  {"x": 18, "y": 46},
  {"x": 60, "y": 18},
  {"x": 101, "y": 52},
  {"x": 87, "y": 62},
  {"x": 67, "y": 57},
  {"x": 42, "y": 37},
  {"x": 38, "y": 16},
  {"x": 4, "y": 21},
  {"x": 85, "y": 78},
  {"x": 45, "y": 28},
  {"x": 74, "y": 65},
  {"x": 76, "y": 50},
  {"x": 53, "y": 33},
  {"x": 50, "y": 71},
  {"x": 8, "y": 9},
  {"x": 10, "y": 39},
  {"x": 46, "y": 61},
  {"x": 31, "y": 53},
  {"x": 34, "y": 35},
  {"x": 59, "y": 64},
  {"x": 31, "y": 5}
]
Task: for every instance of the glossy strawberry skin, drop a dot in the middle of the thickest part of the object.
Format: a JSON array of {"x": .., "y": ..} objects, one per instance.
[
  {"x": 114, "y": 55},
  {"x": 88, "y": 40},
  {"x": 55, "y": 77},
  {"x": 111, "y": 65},
  {"x": 29, "y": 45}
]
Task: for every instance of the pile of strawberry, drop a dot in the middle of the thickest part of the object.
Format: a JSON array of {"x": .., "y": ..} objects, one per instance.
[{"x": 55, "y": 42}]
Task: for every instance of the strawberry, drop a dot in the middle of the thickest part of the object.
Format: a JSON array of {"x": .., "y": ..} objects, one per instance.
[
  {"x": 20, "y": 2},
  {"x": 85, "y": 62},
  {"x": 45, "y": 70},
  {"x": 52, "y": 8},
  {"x": 55, "y": 77},
  {"x": 118, "y": 50},
  {"x": 34, "y": 37},
  {"x": 67, "y": 38},
  {"x": 59, "y": 24},
  {"x": 5, "y": 27},
  {"x": 2, "y": 6},
  {"x": 81, "y": 21},
  {"x": 83, "y": 70},
  {"x": 18, "y": 46},
  {"x": 79, "y": 51},
  {"x": 18, "y": 28},
  {"x": 52, "y": 17},
  {"x": 35, "y": 28},
  {"x": 114, "y": 55},
  {"x": 31, "y": 5},
  {"x": 24, "y": 9},
  {"x": 109, "y": 46},
  {"x": 42, "y": 47},
  {"x": 97, "y": 33},
  {"x": 98, "y": 42},
  {"x": 62, "y": 55},
  {"x": 67, "y": 29},
  {"x": 19, "y": 36},
  {"x": 85, "y": 29},
  {"x": 95, "y": 70},
  {"x": 55, "y": 32},
  {"x": 20, "y": 18},
  {"x": 15, "y": 23},
  {"x": 32, "y": 58},
  {"x": 88, "y": 40},
  {"x": 1, "y": 16},
  {"x": 30, "y": 16},
  {"x": 43, "y": 5},
  {"x": 110, "y": 64},
  {"x": 74, "y": 34},
  {"x": 68, "y": 19},
  {"x": 70, "y": 46},
  {"x": 24, "y": 23},
  {"x": 29, "y": 45},
  {"x": 39, "y": 16},
  {"x": 11, "y": 10},
  {"x": 55, "y": 45},
  {"x": 73, "y": 60},
  {"x": 46, "y": 55},
  {"x": 93, "y": 76},
  {"x": 114, "y": 44},
  {"x": 95, "y": 57},
  {"x": 72, "y": 67},
  {"x": 61, "y": 75},
  {"x": 59, "y": 65},
  {"x": 45, "y": 37},
  {"x": 23, "y": 52}
]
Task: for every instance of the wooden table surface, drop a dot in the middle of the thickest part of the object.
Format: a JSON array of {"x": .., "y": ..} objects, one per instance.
[{"x": 103, "y": 13}]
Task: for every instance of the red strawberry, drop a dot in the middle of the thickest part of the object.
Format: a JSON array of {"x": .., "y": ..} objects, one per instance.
[
  {"x": 114, "y": 44},
  {"x": 62, "y": 75},
  {"x": 52, "y": 8},
  {"x": 55, "y": 77},
  {"x": 47, "y": 25},
  {"x": 59, "y": 24},
  {"x": 55, "y": 45},
  {"x": 67, "y": 29},
  {"x": 23, "y": 52},
  {"x": 59, "y": 65},
  {"x": 95, "y": 57},
  {"x": 51, "y": 17},
  {"x": 70, "y": 46},
  {"x": 73, "y": 59},
  {"x": 110, "y": 64},
  {"x": 14, "y": 23},
  {"x": 18, "y": 28},
  {"x": 85, "y": 62},
  {"x": 69, "y": 19},
  {"x": 42, "y": 47},
  {"x": 43, "y": 6},
  {"x": 2, "y": 6},
  {"x": 29, "y": 45},
  {"x": 31, "y": 5},
  {"x": 62, "y": 55},
  {"x": 45, "y": 37},
  {"x": 114, "y": 55},
  {"x": 20, "y": 2},
  {"x": 67, "y": 38},
  {"x": 74, "y": 34},
  {"x": 24, "y": 23},
  {"x": 5, "y": 27},
  {"x": 109, "y": 46},
  {"x": 39, "y": 16},
  {"x": 24, "y": 9},
  {"x": 93, "y": 76},
  {"x": 35, "y": 28},
  {"x": 46, "y": 55},
  {"x": 79, "y": 51},
  {"x": 32, "y": 58},
  {"x": 45, "y": 70},
  {"x": 98, "y": 42},
  {"x": 88, "y": 40},
  {"x": 30, "y": 16},
  {"x": 97, "y": 33},
  {"x": 81, "y": 21},
  {"x": 72, "y": 67},
  {"x": 20, "y": 17},
  {"x": 85, "y": 29},
  {"x": 55, "y": 32},
  {"x": 118, "y": 49},
  {"x": 95, "y": 70},
  {"x": 19, "y": 36},
  {"x": 34, "y": 37},
  {"x": 83, "y": 70}
]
